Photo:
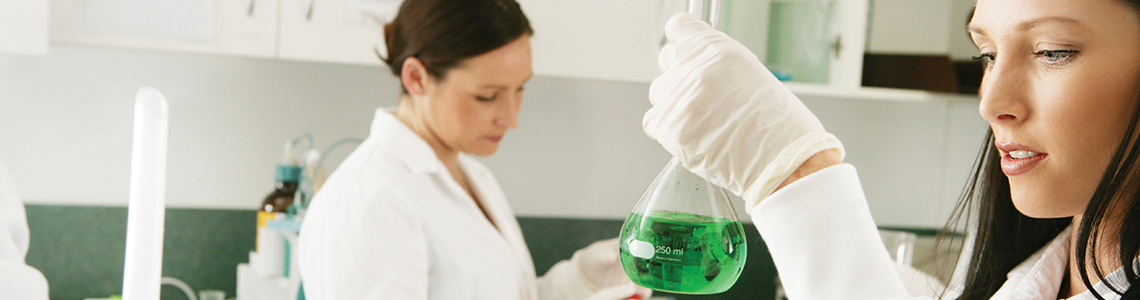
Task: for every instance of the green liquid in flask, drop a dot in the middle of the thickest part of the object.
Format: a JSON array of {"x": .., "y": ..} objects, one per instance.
[{"x": 683, "y": 253}]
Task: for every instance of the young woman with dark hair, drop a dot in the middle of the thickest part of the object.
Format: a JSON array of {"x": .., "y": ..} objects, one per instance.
[
  {"x": 1052, "y": 205},
  {"x": 408, "y": 215}
]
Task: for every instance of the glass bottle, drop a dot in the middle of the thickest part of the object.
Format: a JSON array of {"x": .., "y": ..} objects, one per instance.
[
  {"x": 683, "y": 236},
  {"x": 286, "y": 188},
  {"x": 278, "y": 201}
]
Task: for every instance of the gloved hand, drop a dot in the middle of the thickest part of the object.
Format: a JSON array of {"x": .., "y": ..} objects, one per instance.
[
  {"x": 600, "y": 265},
  {"x": 719, "y": 111},
  {"x": 629, "y": 290}
]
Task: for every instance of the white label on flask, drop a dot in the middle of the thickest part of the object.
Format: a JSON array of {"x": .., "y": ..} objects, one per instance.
[{"x": 641, "y": 249}]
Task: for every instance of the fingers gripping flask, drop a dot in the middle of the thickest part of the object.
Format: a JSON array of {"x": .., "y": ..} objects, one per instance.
[{"x": 683, "y": 236}]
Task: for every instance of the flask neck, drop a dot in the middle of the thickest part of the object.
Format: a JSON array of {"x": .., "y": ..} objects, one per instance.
[{"x": 706, "y": 10}]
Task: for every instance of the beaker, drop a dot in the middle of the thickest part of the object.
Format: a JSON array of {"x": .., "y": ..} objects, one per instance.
[{"x": 683, "y": 236}]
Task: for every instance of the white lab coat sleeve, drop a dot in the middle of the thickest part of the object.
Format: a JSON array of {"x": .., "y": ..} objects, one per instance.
[
  {"x": 17, "y": 279},
  {"x": 363, "y": 248},
  {"x": 823, "y": 241},
  {"x": 564, "y": 282}
]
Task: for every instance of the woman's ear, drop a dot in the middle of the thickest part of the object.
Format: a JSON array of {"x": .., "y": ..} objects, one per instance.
[{"x": 414, "y": 76}]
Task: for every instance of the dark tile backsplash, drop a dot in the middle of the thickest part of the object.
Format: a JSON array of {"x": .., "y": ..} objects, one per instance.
[{"x": 80, "y": 249}]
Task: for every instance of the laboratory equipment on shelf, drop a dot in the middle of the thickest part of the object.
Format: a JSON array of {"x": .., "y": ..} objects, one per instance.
[
  {"x": 683, "y": 236},
  {"x": 271, "y": 271}
]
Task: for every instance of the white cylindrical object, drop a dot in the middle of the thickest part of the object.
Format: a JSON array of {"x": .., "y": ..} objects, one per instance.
[
  {"x": 272, "y": 253},
  {"x": 706, "y": 10},
  {"x": 146, "y": 212}
]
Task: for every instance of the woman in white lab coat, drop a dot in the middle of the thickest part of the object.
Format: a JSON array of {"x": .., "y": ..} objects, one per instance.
[
  {"x": 17, "y": 279},
  {"x": 409, "y": 215},
  {"x": 1053, "y": 199}
]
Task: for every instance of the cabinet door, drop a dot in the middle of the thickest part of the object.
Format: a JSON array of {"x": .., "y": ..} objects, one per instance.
[
  {"x": 620, "y": 40},
  {"x": 232, "y": 27},
  {"x": 24, "y": 27},
  {"x": 910, "y": 27},
  {"x": 818, "y": 42},
  {"x": 338, "y": 31},
  {"x": 595, "y": 39}
]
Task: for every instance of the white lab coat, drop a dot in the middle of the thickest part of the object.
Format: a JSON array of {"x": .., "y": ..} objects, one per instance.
[
  {"x": 17, "y": 279},
  {"x": 825, "y": 246},
  {"x": 392, "y": 223}
]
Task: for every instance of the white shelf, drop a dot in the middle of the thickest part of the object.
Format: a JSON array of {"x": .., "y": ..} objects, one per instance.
[{"x": 871, "y": 93}]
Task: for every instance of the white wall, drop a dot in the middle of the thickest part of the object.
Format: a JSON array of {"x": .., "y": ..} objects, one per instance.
[
  {"x": 912, "y": 158},
  {"x": 921, "y": 27},
  {"x": 909, "y": 27},
  {"x": 579, "y": 152},
  {"x": 65, "y": 121},
  {"x": 961, "y": 46}
]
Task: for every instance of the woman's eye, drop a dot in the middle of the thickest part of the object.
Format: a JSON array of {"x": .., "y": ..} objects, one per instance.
[
  {"x": 485, "y": 98},
  {"x": 1057, "y": 57},
  {"x": 987, "y": 59}
]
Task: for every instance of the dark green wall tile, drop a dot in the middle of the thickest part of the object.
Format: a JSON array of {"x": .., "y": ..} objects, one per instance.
[{"x": 80, "y": 249}]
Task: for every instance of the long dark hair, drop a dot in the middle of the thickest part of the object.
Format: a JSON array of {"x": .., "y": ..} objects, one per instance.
[
  {"x": 442, "y": 33},
  {"x": 1005, "y": 237}
]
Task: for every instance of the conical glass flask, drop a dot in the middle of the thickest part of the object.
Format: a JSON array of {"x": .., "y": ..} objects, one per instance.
[{"x": 683, "y": 236}]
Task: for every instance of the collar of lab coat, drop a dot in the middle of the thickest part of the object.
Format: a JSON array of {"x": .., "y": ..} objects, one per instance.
[
  {"x": 395, "y": 138},
  {"x": 1041, "y": 275}
]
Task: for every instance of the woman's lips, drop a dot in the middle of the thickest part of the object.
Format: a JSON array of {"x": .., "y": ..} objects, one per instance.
[
  {"x": 495, "y": 138},
  {"x": 1016, "y": 166}
]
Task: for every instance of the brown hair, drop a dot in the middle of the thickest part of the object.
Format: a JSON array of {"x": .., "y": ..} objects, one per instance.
[{"x": 442, "y": 33}]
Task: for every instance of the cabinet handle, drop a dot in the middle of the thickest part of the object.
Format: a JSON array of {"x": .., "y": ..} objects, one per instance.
[
  {"x": 837, "y": 45},
  {"x": 251, "y": 5},
  {"x": 309, "y": 14}
]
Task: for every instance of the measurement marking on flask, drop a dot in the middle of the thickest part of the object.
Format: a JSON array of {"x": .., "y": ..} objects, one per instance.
[{"x": 667, "y": 250}]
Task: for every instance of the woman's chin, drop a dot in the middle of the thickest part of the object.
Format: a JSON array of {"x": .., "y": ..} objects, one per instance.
[
  {"x": 483, "y": 151},
  {"x": 1040, "y": 206}
]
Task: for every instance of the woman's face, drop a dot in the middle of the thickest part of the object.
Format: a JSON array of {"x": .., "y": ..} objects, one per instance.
[
  {"x": 1059, "y": 89},
  {"x": 475, "y": 103}
]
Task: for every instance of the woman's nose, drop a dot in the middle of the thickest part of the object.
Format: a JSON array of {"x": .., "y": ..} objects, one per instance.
[
  {"x": 1004, "y": 92},
  {"x": 508, "y": 112}
]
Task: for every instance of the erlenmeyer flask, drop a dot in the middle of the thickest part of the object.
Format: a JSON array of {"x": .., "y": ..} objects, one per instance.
[{"x": 683, "y": 236}]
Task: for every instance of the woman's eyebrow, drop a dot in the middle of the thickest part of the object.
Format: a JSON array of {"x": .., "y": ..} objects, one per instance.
[{"x": 1029, "y": 24}]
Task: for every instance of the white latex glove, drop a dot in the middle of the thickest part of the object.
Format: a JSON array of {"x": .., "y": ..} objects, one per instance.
[
  {"x": 593, "y": 273},
  {"x": 600, "y": 264},
  {"x": 626, "y": 291},
  {"x": 719, "y": 111}
]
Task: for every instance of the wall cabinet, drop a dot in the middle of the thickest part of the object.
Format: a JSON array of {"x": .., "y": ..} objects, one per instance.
[
  {"x": 24, "y": 27},
  {"x": 337, "y": 31},
  {"x": 310, "y": 30},
  {"x": 817, "y": 45},
  {"x": 595, "y": 39},
  {"x": 910, "y": 27},
  {"x": 230, "y": 27},
  {"x": 600, "y": 39}
]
